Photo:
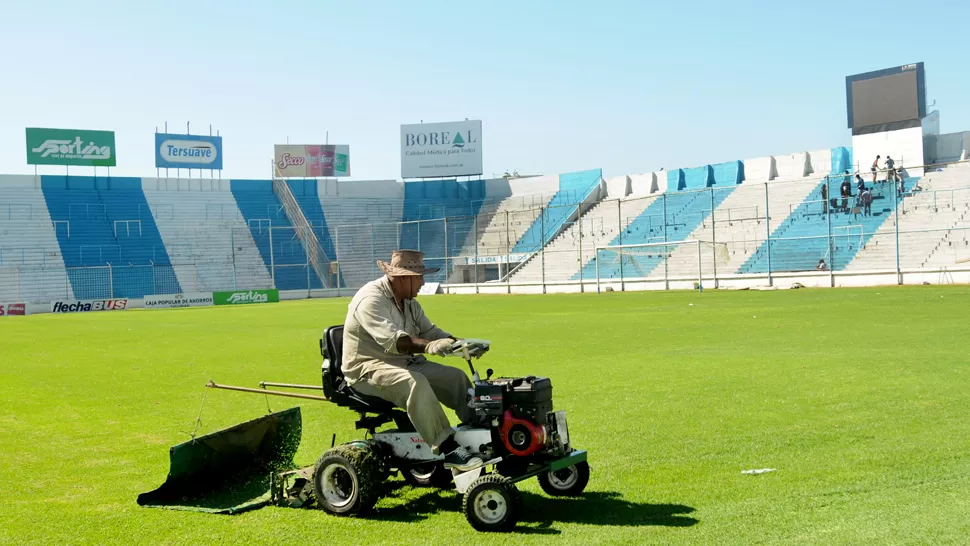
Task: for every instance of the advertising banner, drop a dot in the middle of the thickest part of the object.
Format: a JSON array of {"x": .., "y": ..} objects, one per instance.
[
  {"x": 503, "y": 259},
  {"x": 84, "y": 306},
  {"x": 188, "y": 152},
  {"x": 12, "y": 309},
  {"x": 70, "y": 147},
  {"x": 312, "y": 160},
  {"x": 441, "y": 149},
  {"x": 241, "y": 297},
  {"x": 176, "y": 301}
]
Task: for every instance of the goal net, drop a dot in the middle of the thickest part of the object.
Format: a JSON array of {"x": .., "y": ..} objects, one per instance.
[{"x": 692, "y": 262}]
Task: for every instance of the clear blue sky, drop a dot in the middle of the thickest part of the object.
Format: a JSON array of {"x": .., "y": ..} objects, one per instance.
[{"x": 559, "y": 86}]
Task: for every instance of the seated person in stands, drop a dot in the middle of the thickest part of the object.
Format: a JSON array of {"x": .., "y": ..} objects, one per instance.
[
  {"x": 822, "y": 265},
  {"x": 386, "y": 335}
]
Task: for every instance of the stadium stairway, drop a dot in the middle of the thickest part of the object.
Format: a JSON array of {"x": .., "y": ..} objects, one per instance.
[
  {"x": 31, "y": 265},
  {"x": 934, "y": 221},
  {"x": 574, "y": 188},
  {"x": 110, "y": 224},
  {"x": 691, "y": 196},
  {"x": 802, "y": 239},
  {"x": 502, "y": 224},
  {"x": 306, "y": 194},
  {"x": 206, "y": 237},
  {"x": 279, "y": 247},
  {"x": 599, "y": 225}
]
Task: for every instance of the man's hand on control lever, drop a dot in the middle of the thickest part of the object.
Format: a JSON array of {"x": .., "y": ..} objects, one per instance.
[{"x": 438, "y": 347}]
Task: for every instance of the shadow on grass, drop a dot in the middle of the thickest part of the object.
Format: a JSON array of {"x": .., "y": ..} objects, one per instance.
[
  {"x": 540, "y": 513},
  {"x": 602, "y": 508}
]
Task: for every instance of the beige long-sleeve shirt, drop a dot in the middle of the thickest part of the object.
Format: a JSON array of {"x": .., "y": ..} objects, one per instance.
[{"x": 374, "y": 324}]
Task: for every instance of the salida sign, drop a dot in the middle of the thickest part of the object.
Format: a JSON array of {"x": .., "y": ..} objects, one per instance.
[
  {"x": 441, "y": 149},
  {"x": 84, "y": 306}
]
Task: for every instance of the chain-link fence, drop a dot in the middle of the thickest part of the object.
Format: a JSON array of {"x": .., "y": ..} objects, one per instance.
[{"x": 822, "y": 228}]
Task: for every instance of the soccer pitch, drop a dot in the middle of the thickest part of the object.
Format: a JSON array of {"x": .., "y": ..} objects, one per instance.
[{"x": 857, "y": 397}]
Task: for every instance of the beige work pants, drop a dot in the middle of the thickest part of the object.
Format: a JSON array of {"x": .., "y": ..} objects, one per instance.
[{"x": 420, "y": 388}]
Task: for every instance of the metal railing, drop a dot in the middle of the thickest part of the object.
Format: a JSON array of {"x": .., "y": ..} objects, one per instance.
[{"x": 924, "y": 229}]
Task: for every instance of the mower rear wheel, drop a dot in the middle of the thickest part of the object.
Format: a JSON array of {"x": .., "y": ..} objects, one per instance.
[
  {"x": 346, "y": 480},
  {"x": 566, "y": 482},
  {"x": 492, "y": 503},
  {"x": 433, "y": 474}
]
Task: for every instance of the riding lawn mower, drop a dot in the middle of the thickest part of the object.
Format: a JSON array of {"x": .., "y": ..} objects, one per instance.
[{"x": 515, "y": 430}]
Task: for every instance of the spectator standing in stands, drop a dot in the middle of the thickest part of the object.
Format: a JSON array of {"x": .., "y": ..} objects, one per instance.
[
  {"x": 846, "y": 193},
  {"x": 860, "y": 184},
  {"x": 866, "y": 202},
  {"x": 890, "y": 169},
  {"x": 875, "y": 168},
  {"x": 825, "y": 196}
]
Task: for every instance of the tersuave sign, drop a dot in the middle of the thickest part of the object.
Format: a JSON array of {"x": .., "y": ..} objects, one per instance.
[
  {"x": 441, "y": 149},
  {"x": 188, "y": 152},
  {"x": 70, "y": 147}
]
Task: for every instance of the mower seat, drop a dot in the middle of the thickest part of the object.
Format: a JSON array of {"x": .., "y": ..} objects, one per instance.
[{"x": 335, "y": 388}]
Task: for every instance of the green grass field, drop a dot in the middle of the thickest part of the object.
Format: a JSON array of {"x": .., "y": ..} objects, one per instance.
[{"x": 858, "y": 397}]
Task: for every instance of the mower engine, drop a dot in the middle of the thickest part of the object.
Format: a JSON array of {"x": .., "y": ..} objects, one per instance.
[{"x": 520, "y": 411}]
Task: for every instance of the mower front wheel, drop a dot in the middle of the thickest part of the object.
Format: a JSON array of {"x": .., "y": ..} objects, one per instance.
[
  {"x": 346, "y": 480},
  {"x": 492, "y": 503},
  {"x": 566, "y": 482}
]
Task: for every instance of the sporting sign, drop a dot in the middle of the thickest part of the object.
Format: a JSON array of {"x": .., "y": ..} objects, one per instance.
[
  {"x": 241, "y": 297},
  {"x": 311, "y": 160},
  {"x": 188, "y": 152},
  {"x": 441, "y": 149},
  {"x": 70, "y": 147}
]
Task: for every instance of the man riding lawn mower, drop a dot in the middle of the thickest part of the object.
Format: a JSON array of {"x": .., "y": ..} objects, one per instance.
[{"x": 374, "y": 364}]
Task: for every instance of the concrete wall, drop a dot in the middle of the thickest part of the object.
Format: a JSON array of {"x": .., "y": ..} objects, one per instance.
[
  {"x": 760, "y": 169},
  {"x": 820, "y": 162},
  {"x": 792, "y": 166},
  {"x": 946, "y": 148},
  {"x": 618, "y": 187},
  {"x": 905, "y": 146},
  {"x": 375, "y": 189},
  {"x": 642, "y": 184},
  {"x": 535, "y": 184}
]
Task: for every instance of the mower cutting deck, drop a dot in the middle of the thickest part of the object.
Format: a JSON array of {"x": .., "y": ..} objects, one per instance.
[{"x": 515, "y": 430}]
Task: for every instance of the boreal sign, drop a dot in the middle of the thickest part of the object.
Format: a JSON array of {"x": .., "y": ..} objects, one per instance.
[
  {"x": 430, "y": 150},
  {"x": 188, "y": 152}
]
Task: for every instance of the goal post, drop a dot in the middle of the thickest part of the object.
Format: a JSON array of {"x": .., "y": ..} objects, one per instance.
[{"x": 690, "y": 260}]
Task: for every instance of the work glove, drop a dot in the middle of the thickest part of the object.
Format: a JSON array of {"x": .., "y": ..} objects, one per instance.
[{"x": 439, "y": 347}]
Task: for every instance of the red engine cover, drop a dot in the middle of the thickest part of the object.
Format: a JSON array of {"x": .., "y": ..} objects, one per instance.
[{"x": 536, "y": 434}]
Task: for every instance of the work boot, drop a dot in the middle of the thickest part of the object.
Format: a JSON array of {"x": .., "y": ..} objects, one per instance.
[{"x": 462, "y": 460}]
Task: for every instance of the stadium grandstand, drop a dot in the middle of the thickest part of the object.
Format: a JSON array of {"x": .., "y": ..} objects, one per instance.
[{"x": 766, "y": 221}]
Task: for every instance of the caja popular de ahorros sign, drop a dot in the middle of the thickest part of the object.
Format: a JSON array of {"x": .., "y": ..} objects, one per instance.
[{"x": 188, "y": 151}]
